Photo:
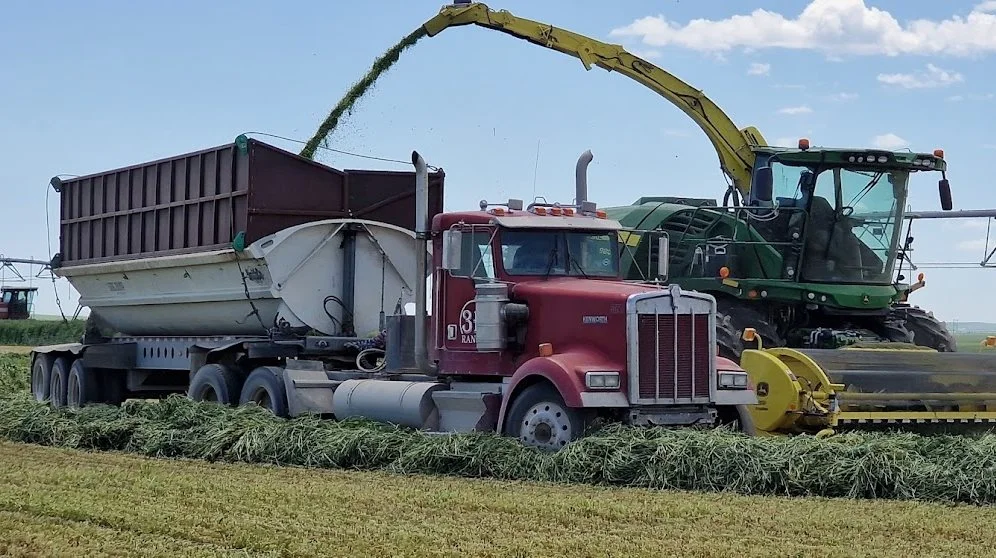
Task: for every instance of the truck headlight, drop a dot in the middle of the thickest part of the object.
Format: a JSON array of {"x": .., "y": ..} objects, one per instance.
[
  {"x": 601, "y": 380},
  {"x": 733, "y": 380}
]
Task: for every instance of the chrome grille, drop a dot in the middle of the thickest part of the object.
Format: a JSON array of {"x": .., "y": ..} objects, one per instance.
[{"x": 674, "y": 356}]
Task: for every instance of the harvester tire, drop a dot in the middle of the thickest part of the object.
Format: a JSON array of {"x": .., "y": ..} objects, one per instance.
[
  {"x": 59, "y": 383},
  {"x": 81, "y": 386},
  {"x": 739, "y": 418},
  {"x": 215, "y": 383},
  {"x": 927, "y": 330},
  {"x": 41, "y": 377},
  {"x": 265, "y": 387},
  {"x": 539, "y": 417},
  {"x": 731, "y": 319}
]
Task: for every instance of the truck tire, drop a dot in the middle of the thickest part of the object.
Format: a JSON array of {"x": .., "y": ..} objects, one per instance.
[
  {"x": 265, "y": 387},
  {"x": 82, "y": 387},
  {"x": 927, "y": 330},
  {"x": 59, "y": 382},
  {"x": 41, "y": 377},
  {"x": 539, "y": 417},
  {"x": 215, "y": 383}
]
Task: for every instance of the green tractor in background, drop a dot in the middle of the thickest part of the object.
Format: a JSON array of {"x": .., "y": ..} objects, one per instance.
[{"x": 807, "y": 259}]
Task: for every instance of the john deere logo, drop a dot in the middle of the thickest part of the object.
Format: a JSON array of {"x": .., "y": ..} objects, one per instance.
[
  {"x": 864, "y": 299},
  {"x": 762, "y": 389}
]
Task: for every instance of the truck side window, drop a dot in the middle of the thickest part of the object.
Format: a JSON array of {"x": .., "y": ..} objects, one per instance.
[{"x": 477, "y": 259}]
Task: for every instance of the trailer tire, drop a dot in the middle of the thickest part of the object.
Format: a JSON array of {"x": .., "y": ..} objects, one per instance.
[
  {"x": 81, "y": 386},
  {"x": 41, "y": 377},
  {"x": 539, "y": 417},
  {"x": 58, "y": 383},
  {"x": 265, "y": 387},
  {"x": 215, "y": 383}
]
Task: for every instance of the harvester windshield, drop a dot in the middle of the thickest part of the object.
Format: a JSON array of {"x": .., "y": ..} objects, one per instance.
[
  {"x": 851, "y": 234},
  {"x": 554, "y": 252}
]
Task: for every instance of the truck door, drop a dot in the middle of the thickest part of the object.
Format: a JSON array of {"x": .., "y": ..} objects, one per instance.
[{"x": 459, "y": 328}]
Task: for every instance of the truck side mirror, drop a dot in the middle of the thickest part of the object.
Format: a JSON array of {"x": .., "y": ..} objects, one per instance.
[
  {"x": 662, "y": 256},
  {"x": 763, "y": 185},
  {"x": 944, "y": 189},
  {"x": 452, "y": 249}
]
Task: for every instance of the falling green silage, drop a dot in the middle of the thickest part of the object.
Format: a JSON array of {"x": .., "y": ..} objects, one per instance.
[{"x": 345, "y": 105}]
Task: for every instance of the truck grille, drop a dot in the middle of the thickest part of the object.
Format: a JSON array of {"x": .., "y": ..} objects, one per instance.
[{"x": 673, "y": 366}]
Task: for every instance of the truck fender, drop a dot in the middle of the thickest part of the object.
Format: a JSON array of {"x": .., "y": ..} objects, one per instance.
[{"x": 551, "y": 369}]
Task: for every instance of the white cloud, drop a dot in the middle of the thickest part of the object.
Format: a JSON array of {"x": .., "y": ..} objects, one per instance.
[
  {"x": 833, "y": 26},
  {"x": 989, "y": 146},
  {"x": 759, "y": 69},
  {"x": 803, "y": 109},
  {"x": 932, "y": 77},
  {"x": 975, "y": 245},
  {"x": 889, "y": 141},
  {"x": 972, "y": 97},
  {"x": 649, "y": 54},
  {"x": 785, "y": 142},
  {"x": 988, "y": 6},
  {"x": 841, "y": 97}
]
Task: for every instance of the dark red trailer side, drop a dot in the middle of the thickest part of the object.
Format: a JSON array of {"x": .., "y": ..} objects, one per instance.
[{"x": 200, "y": 201}]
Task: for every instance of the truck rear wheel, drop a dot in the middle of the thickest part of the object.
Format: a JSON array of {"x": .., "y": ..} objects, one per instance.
[
  {"x": 538, "y": 417},
  {"x": 81, "y": 386},
  {"x": 265, "y": 387},
  {"x": 59, "y": 382},
  {"x": 215, "y": 383},
  {"x": 41, "y": 377}
]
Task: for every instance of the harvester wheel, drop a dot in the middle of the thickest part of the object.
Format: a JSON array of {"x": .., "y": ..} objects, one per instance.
[
  {"x": 41, "y": 377},
  {"x": 731, "y": 319},
  {"x": 81, "y": 386},
  {"x": 215, "y": 383},
  {"x": 738, "y": 418},
  {"x": 539, "y": 417},
  {"x": 927, "y": 330},
  {"x": 265, "y": 387},
  {"x": 59, "y": 383}
]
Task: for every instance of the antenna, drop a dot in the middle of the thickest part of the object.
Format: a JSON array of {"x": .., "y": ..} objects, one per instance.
[{"x": 536, "y": 166}]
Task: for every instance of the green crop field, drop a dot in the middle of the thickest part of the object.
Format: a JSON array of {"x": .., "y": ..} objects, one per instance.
[{"x": 40, "y": 332}]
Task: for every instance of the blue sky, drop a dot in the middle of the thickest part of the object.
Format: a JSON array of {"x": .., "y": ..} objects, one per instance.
[{"x": 86, "y": 87}]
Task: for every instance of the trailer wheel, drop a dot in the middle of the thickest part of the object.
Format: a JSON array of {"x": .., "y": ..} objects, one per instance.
[
  {"x": 58, "y": 383},
  {"x": 215, "y": 383},
  {"x": 265, "y": 387},
  {"x": 538, "y": 417},
  {"x": 41, "y": 377},
  {"x": 81, "y": 386}
]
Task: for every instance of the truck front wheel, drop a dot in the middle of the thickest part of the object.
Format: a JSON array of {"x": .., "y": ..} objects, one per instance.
[{"x": 538, "y": 417}]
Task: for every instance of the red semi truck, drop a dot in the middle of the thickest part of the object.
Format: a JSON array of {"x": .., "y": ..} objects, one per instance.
[{"x": 532, "y": 332}]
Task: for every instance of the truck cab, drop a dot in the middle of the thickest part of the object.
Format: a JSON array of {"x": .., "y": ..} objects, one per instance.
[{"x": 533, "y": 298}]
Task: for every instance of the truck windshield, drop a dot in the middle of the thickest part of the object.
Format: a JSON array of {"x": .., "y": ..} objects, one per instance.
[
  {"x": 539, "y": 252},
  {"x": 853, "y": 221}
]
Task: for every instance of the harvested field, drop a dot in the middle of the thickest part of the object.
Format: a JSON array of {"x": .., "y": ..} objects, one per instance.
[{"x": 57, "y": 502}]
